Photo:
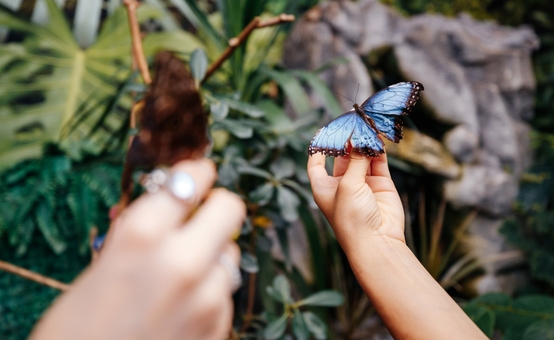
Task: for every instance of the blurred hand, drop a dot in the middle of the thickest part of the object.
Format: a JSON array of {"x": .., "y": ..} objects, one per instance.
[
  {"x": 159, "y": 275},
  {"x": 359, "y": 200}
]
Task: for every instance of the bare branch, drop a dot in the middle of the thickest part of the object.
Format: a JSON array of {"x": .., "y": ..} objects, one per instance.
[
  {"x": 241, "y": 38},
  {"x": 29, "y": 275},
  {"x": 138, "y": 52}
]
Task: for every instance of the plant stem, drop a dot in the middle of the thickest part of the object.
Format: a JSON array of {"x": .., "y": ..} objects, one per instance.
[
  {"x": 138, "y": 53},
  {"x": 241, "y": 38},
  {"x": 29, "y": 275},
  {"x": 251, "y": 283}
]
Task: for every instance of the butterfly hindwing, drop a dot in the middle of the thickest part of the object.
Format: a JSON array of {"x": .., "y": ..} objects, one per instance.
[
  {"x": 365, "y": 140},
  {"x": 389, "y": 126}
]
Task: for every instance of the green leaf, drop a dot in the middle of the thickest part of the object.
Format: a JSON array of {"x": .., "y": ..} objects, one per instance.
[
  {"x": 302, "y": 191},
  {"x": 288, "y": 203},
  {"x": 326, "y": 298},
  {"x": 198, "y": 19},
  {"x": 483, "y": 317},
  {"x": 219, "y": 109},
  {"x": 246, "y": 108},
  {"x": 249, "y": 263},
  {"x": 247, "y": 169},
  {"x": 282, "y": 288},
  {"x": 299, "y": 328},
  {"x": 292, "y": 88},
  {"x": 198, "y": 65},
  {"x": 262, "y": 194},
  {"x": 48, "y": 228},
  {"x": 543, "y": 329},
  {"x": 322, "y": 91},
  {"x": 235, "y": 127},
  {"x": 274, "y": 294},
  {"x": 282, "y": 167},
  {"x": 276, "y": 328},
  {"x": 315, "y": 325}
]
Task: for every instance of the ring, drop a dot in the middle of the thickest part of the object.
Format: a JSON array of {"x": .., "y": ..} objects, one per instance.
[
  {"x": 233, "y": 270},
  {"x": 179, "y": 183}
]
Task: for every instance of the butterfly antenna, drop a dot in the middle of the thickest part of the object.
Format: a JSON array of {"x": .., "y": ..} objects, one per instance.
[
  {"x": 358, "y": 89},
  {"x": 345, "y": 97}
]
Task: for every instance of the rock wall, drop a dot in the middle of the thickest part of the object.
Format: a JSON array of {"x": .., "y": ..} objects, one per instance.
[{"x": 478, "y": 80}]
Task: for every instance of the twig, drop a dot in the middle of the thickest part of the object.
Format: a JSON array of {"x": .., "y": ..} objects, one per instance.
[
  {"x": 138, "y": 53},
  {"x": 29, "y": 275},
  {"x": 237, "y": 41}
]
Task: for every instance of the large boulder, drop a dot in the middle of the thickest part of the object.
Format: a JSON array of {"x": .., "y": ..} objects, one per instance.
[{"x": 479, "y": 84}]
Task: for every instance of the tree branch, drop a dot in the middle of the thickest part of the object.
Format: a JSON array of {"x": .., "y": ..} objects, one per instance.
[
  {"x": 241, "y": 38},
  {"x": 29, "y": 275},
  {"x": 138, "y": 52}
]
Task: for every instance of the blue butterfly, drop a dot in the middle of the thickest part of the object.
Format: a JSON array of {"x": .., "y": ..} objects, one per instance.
[{"x": 379, "y": 114}]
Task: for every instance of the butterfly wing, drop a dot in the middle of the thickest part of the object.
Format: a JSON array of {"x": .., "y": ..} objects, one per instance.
[
  {"x": 385, "y": 107},
  {"x": 332, "y": 139}
]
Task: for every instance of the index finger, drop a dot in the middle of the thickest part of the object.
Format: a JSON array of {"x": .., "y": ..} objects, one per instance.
[
  {"x": 213, "y": 224},
  {"x": 151, "y": 216},
  {"x": 316, "y": 166}
]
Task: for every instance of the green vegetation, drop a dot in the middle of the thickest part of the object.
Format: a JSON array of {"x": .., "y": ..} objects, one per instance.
[{"x": 62, "y": 163}]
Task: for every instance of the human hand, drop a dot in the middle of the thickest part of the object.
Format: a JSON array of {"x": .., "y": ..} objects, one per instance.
[
  {"x": 159, "y": 275},
  {"x": 360, "y": 200}
]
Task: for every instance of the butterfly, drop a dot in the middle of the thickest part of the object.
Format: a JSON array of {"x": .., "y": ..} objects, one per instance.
[{"x": 360, "y": 127}]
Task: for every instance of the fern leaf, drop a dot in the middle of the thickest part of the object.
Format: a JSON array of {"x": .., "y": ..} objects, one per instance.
[
  {"x": 25, "y": 230},
  {"x": 83, "y": 204},
  {"x": 48, "y": 228}
]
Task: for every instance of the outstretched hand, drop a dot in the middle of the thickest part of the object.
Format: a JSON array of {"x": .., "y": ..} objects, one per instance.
[
  {"x": 359, "y": 200},
  {"x": 162, "y": 274}
]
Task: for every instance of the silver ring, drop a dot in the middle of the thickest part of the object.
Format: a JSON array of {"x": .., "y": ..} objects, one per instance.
[
  {"x": 233, "y": 270},
  {"x": 179, "y": 183}
]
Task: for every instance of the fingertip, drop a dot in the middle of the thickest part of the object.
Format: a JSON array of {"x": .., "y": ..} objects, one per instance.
[
  {"x": 380, "y": 166},
  {"x": 358, "y": 166},
  {"x": 316, "y": 166}
]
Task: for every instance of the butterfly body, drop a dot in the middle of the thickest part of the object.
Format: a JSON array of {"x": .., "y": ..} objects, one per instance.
[{"x": 359, "y": 129}]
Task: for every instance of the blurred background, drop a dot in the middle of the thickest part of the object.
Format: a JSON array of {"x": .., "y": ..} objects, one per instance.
[{"x": 475, "y": 168}]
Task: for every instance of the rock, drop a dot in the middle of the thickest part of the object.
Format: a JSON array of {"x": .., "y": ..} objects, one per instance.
[
  {"x": 313, "y": 43},
  {"x": 426, "y": 152},
  {"x": 448, "y": 93},
  {"x": 462, "y": 142},
  {"x": 479, "y": 89},
  {"x": 491, "y": 190},
  {"x": 498, "y": 132},
  {"x": 380, "y": 29},
  {"x": 496, "y": 258}
]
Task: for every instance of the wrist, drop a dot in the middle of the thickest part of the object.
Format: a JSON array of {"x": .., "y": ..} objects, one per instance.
[{"x": 374, "y": 250}]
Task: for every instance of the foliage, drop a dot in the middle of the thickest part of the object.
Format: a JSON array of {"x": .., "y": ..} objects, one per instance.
[
  {"x": 22, "y": 301},
  {"x": 59, "y": 197},
  {"x": 52, "y": 90},
  {"x": 528, "y": 317},
  {"x": 260, "y": 151},
  {"x": 303, "y": 323},
  {"x": 440, "y": 254},
  {"x": 531, "y": 228}
]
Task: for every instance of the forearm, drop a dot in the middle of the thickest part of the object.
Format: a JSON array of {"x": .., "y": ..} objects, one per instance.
[{"x": 410, "y": 302}]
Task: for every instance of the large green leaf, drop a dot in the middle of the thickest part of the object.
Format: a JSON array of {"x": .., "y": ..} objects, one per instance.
[{"x": 52, "y": 90}]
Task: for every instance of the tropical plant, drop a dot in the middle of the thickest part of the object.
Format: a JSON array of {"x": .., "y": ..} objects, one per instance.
[
  {"x": 531, "y": 227},
  {"x": 529, "y": 317},
  {"x": 258, "y": 147},
  {"x": 53, "y": 90}
]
